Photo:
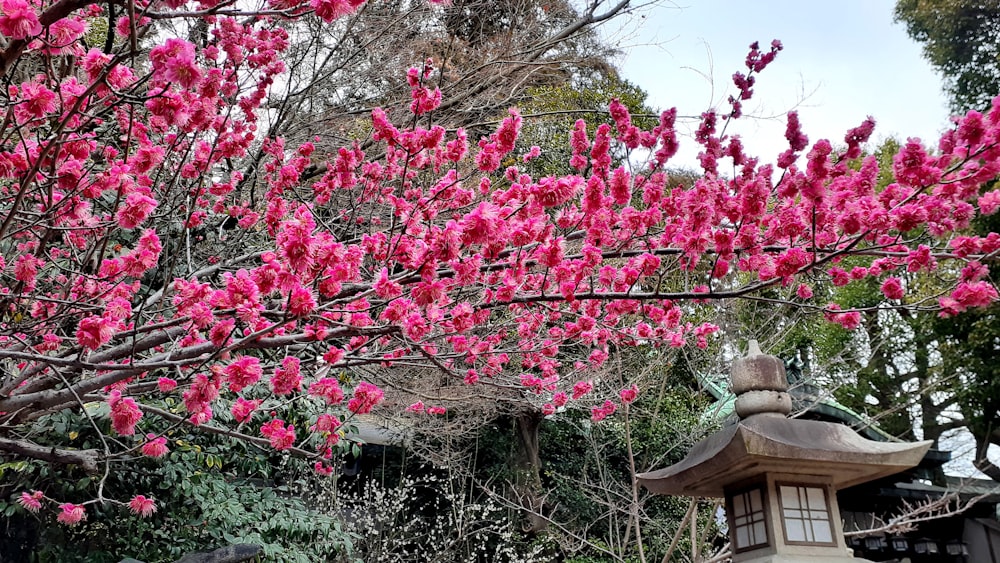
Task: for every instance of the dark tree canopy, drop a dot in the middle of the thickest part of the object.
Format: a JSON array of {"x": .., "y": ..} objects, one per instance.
[{"x": 961, "y": 38}]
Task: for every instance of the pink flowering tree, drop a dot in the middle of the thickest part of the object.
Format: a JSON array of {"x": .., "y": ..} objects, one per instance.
[{"x": 164, "y": 263}]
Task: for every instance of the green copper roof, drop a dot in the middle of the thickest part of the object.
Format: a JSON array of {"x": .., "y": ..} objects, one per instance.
[{"x": 805, "y": 396}]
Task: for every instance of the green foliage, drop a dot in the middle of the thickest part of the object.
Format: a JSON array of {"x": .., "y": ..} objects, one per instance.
[
  {"x": 968, "y": 348},
  {"x": 208, "y": 494},
  {"x": 586, "y": 469},
  {"x": 961, "y": 38},
  {"x": 97, "y": 32},
  {"x": 558, "y": 107}
]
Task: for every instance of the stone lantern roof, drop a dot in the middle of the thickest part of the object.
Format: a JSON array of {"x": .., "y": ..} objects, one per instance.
[{"x": 765, "y": 440}]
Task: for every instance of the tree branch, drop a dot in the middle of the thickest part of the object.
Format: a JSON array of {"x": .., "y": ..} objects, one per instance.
[{"x": 87, "y": 459}]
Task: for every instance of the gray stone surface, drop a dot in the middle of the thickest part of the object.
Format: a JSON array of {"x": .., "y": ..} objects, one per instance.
[
  {"x": 758, "y": 371},
  {"x": 750, "y": 403},
  {"x": 232, "y": 554},
  {"x": 238, "y": 553},
  {"x": 764, "y": 443}
]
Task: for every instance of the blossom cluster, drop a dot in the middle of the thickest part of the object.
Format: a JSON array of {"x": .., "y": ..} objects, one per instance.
[
  {"x": 72, "y": 514},
  {"x": 158, "y": 243}
]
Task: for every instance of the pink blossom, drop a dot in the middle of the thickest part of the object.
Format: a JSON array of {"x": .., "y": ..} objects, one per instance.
[
  {"x": 892, "y": 288},
  {"x": 920, "y": 259},
  {"x": 174, "y": 61},
  {"x": 758, "y": 60},
  {"x": 456, "y": 149},
  {"x": 136, "y": 209},
  {"x": 49, "y": 341},
  {"x": 424, "y": 99},
  {"x": 329, "y": 389},
  {"x": 295, "y": 240},
  {"x": 974, "y": 271},
  {"x": 790, "y": 261},
  {"x": 849, "y": 320},
  {"x": 31, "y": 501},
  {"x": 327, "y": 425},
  {"x": 510, "y": 127},
  {"x": 428, "y": 293},
  {"x": 416, "y": 407},
  {"x": 301, "y": 302},
  {"x": 125, "y": 414},
  {"x": 488, "y": 158},
  {"x": 366, "y": 396},
  {"x": 329, "y": 10},
  {"x": 243, "y": 409},
  {"x": 914, "y": 167},
  {"x": 19, "y": 20},
  {"x": 972, "y": 294},
  {"x": 621, "y": 186},
  {"x": 63, "y": 34},
  {"x": 155, "y": 446},
  {"x": 26, "y": 269},
  {"x": 288, "y": 377},
  {"x": 949, "y": 307},
  {"x": 386, "y": 288},
  {"x": 840, "y": 277},
  {"x": 221, "y": 332},
  {"x": 333, "y": 355},
  {"x": 553, "y": 192},
  {"x": 578, "y": 138},
  {"x": 581, "y": 388},
  {"x": 532, "y": 154},
  {"x": 118, "y": 309},
  {"x": 71, "y": 514},
  {"x": 281, "y": 437},
  {"x": 198, "y": 398},
  {"x": 560, "y": 399},
  {"x": 37, "y": 101},
  {"x": 500, "y": 143},
  {"x": 600, "y": 151},
  {"x": 471, "y": 377},
  {"x": 599, "y": 413},
  {"x": 666, "y": 134},
  {"x": 629, "y": 394},
  {"x": 965, "y": 246},
  {"x": 166, "y": 384},
  {"x": 242, "y": 372},
  {"x": 989, "y": 202},
  {"x": 142, "y": 506},
  {"x": 384, "y": 129},
  {"x": 596, "y": 358},
  {"x": 532, "y": 382},
  {"x": 436, "y": 410},
  {"x": 804, "y": 291},
  {"x": 855, "y": 137}
]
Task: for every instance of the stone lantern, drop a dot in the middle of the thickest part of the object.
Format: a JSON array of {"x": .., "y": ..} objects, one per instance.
[{"x": 779, "y": 476}]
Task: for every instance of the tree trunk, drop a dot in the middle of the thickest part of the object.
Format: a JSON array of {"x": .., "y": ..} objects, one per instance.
[
  {"x": 527, "y": 465},
  {"x": 982, "y": 462}
]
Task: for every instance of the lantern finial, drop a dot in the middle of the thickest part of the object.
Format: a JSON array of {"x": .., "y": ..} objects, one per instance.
[{"x": 760, "y": 384}]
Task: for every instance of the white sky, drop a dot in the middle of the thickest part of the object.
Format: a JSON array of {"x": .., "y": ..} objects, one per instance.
[{"x": 842, "y": 62}]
